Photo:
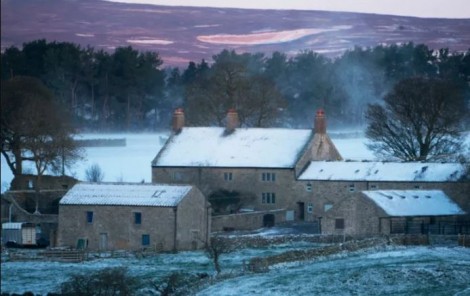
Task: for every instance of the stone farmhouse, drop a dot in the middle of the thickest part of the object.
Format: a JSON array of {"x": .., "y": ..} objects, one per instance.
[
  {"x": 111, "y": 216},
  {"x": 251, "y": 170},
  {"x": 255, "y": 177}
]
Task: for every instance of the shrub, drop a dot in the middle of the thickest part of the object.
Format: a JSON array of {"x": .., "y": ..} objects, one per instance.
[{"x": 108, "y": 281}]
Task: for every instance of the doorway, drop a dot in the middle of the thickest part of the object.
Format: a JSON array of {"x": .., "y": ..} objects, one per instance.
[
  {"x": 301, "y": 211},
  {"x": 268, "y": 220},
  {"x": 103, "y": 241}
]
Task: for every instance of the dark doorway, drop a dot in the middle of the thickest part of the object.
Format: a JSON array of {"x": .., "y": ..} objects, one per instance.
[
  {"x": 301, "y": 214},
  {"x": 268, "y": 220}
]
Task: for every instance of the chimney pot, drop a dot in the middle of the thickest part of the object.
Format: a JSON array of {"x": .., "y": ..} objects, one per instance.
[
  {"x": 178, "y": 120},
  {"x": 320, "y": 122},
  {"x": 232, "y": 120}
]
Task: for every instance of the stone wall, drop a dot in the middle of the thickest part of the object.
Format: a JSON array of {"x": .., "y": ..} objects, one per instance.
[
  {"x": 262, "y": 264},
  {"x": 245, "y": 221}
]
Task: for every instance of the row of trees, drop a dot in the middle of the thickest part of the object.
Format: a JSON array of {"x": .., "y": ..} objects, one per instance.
[{"x": 129, "y": 90}]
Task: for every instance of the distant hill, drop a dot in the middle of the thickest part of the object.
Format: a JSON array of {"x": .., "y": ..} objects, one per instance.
[{"x": 181, "y": 34}]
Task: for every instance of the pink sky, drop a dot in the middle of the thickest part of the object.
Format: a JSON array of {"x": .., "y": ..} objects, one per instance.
[{"x": 419, "y": 8}]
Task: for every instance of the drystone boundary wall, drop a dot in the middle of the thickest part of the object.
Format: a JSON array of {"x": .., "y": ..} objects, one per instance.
[{"x": 259, "y": 264}]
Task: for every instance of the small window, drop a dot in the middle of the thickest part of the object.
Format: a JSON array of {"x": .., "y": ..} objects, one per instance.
[
  {"x": 327, "y": 207},
  {"x": 339, "y": 224},
  {"x": 308, "y": 187},
  {"x": 145, "y": 240},
  {"x": 89, "y": 217},
  {"x": 417, "y": 187},
  {"x": 177, "y": 176},
  {"x": 138, "y": 218},
  {"x": 228, "y": 176},
  {"x": 268, "y": 177},
  {"x": 268, "y": 198},
  {"x": 310, "y": 207},
  {"x": 352, "y": 188},
  {"x": 374, "y": 186}
]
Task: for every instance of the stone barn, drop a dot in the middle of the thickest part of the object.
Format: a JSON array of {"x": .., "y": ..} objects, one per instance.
[
  {"x": 409, "y": 211},
  {"x": 342, "y": 196},
  {"x": 124, "y": 216}
]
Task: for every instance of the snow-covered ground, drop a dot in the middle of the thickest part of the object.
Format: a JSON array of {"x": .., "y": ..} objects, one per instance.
[
  {"x": 43, "y": 277},
  {"x": 402, "y": 271},
  {"x": 385, "y": 271}
]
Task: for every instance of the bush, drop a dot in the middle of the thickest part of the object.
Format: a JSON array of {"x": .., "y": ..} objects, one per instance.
[{"x": 108, "y": 281}]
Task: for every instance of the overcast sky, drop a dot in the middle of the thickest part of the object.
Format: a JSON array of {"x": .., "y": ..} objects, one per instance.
[{"x": 419, "y": 8}]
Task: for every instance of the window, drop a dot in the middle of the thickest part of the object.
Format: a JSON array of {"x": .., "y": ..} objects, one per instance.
[
  {"x": 145, "y": 240},
  {"x": 228, "y": 176},
  {"x": 268, "y": 198},
  {"x": 339, "y": 224},
  {"x": 417, "y": 187},
  {"x": 352, "y": 188},
  {"x": 138, "y": 218},
  {"x": 177, "y": 176},
  {"x": 310, "y": 207},
  {"x": 89, "y": 217},
  {"x": 308, "y": 187},
  {"x": 374, "y": 186},
  {"x": 268, "y": 177},
  {"x": 327, "y": 207}
]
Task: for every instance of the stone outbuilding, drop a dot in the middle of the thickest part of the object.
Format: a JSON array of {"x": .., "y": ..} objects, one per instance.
[
  {"x": 126, "y": 216},
  {"x": 345, "y": 196}
]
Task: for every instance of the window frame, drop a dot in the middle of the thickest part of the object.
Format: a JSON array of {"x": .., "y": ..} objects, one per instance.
[
  {"x": 339, "y": 224},
  {"x": 228, "y": 176},
  {"x": 137, "y": 218},
  {"x": 268, "y": 197},
  {"x": 268, "y": 177},
  {"x": 352, "y": 187},
  {"x": 145, "y": 240},
  {"x": 89, "y": 217}
]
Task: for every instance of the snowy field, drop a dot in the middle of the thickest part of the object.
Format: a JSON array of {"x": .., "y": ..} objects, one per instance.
[
  {"x": 385, "y": 271},
  {"x": 133, "y": 162}
]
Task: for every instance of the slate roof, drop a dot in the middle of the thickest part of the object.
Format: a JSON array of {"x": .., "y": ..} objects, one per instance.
[
  {"x": 125, "y": 194},
  {"x": 245, "y": 147},
  {"x": 401, "y": 203},
  {"x": 382, "y": 171}
]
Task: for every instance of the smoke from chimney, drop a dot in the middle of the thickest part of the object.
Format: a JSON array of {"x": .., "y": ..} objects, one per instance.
[
  {"x": 178, "y": 120},
  {"x": 320, "y": 122}
]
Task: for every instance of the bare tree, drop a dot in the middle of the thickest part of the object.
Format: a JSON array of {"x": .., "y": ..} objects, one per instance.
[
  {"x": 420, "y": 120},
  {"x": 94, "y": 173},
  {"x": 35, "y": 128},
  {"x": 233, "y": 81},
  {"x": 217, "y": 247}
]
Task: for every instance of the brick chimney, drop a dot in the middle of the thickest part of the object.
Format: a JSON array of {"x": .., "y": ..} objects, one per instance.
[
  {"x": 320, "y": 122},
  {"x": 232, "y": 121},
  {"x": 178, "y": 120}
]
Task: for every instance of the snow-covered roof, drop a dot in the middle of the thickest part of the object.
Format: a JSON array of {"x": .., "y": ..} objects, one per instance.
[
  {"x": 399, "y": 203},
  {"x": 382, "y": 171},
  {"x": 125, "y": 194},
  {"x": 245, "y": 147}
]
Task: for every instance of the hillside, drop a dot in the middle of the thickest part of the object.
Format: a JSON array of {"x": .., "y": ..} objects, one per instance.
[{"x": 181, "y": 34}]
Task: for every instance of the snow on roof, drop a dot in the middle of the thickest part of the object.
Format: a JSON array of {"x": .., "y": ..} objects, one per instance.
[
  {"x": 125, "y": 194},
  {"x": 245, "y": 147},
  {"x": 399, "y": 203},
  {"x": 382, "y": 171}
]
